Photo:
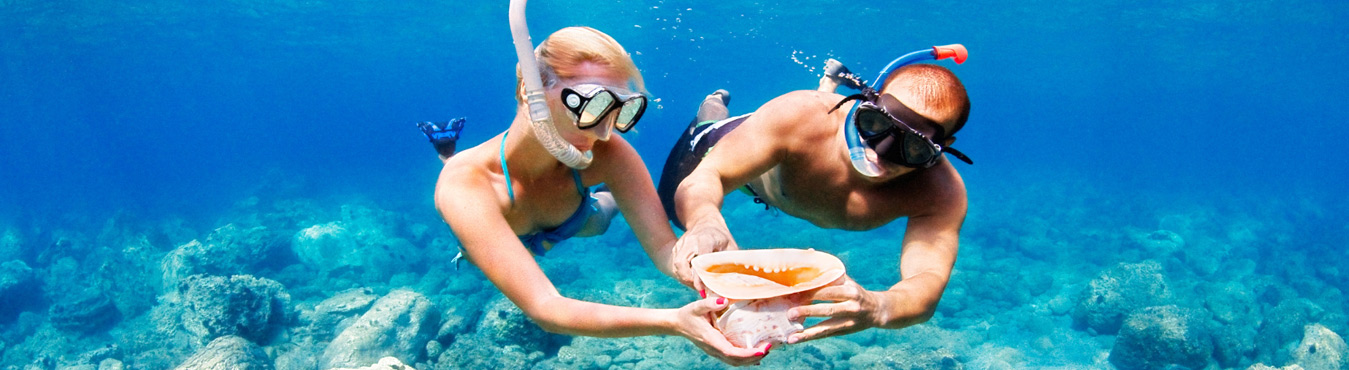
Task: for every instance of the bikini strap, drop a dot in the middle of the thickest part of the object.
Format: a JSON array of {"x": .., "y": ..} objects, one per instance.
[
  {"x": 575, "y": 175},
  {"x": 507, "y": 172},
  {"x": 580, "y": 188}
]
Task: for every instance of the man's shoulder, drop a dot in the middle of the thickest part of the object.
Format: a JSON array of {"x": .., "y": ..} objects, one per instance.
[
  {"x": 799, "y": 110},
  {"x": 804, "y": 100}
]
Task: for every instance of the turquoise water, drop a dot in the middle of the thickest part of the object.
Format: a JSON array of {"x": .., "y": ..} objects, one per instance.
[{"x": 1194, "y": 145}]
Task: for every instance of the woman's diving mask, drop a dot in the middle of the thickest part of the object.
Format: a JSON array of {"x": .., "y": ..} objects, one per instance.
[{"x": 589, "y": 104}]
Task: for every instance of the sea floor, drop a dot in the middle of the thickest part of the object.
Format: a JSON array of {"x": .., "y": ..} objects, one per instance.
[{"x": 1050, "y": 275}]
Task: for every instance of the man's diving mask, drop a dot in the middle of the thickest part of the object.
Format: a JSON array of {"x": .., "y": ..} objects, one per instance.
[
  {"x": 887, "y": 126},
  {"x": 589, "y": 104}
]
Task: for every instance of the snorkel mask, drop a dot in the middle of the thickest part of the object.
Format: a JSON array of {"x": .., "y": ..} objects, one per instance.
[
  {"x": 540, "y": 118},
  {"x": 886, "y": 125},
  {"x": 589, "y": 104}
]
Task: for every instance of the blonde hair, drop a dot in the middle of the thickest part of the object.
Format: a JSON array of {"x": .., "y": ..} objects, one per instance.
[
  {"x": 565, "y": 50},
  {"x": 938, "y": 90}
]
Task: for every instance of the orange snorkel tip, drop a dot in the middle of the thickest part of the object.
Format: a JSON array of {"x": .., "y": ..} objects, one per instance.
[{"x": 956, "y": 51}]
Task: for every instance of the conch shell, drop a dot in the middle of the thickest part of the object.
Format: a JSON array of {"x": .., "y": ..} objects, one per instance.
[
  {"x": 766, "y": 273},
  {"x": 760, "y": 284}
]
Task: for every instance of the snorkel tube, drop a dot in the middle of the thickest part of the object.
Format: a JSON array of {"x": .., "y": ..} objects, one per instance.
[
  {"x": 539, "y": 115},
  {"x": 857, "y": 152}
]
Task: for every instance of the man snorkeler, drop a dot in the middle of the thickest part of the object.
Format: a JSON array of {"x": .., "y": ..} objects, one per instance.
[{"x": 854, "y": 163}]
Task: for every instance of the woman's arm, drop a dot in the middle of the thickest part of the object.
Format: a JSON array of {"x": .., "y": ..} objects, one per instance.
[
  {"x": 622, "y": 168},
  {"x": 470, "y": 205}
]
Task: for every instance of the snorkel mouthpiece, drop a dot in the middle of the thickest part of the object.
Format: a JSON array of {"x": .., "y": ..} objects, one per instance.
[{"x": 539, "y": 115}]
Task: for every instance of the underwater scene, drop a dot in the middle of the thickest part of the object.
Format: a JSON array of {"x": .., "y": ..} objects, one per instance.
[{"x": 241, "y": 184}]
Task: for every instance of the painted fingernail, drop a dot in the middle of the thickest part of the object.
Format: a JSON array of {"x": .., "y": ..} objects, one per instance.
[
  {"x": 765, "y": 349},
  {"x": 702, "y": 293},
  {"x": 721, "y": 300},
  {"x": 758, "y": 353}
]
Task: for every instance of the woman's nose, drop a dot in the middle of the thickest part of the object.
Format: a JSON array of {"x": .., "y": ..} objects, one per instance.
[
  {"x": 605, "y": 128},
  {"x": 603, "y": 131}
]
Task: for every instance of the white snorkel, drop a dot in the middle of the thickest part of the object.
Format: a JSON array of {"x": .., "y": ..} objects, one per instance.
[{"x": 539, "y": 114}]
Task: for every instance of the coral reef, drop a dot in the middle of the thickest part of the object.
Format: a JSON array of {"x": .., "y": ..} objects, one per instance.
[
  {"x": 397, "y": 325},
  {"x": 18, "y": 289},
  {"x": 476, "y": 351},
  {"x": 1234, "y": 307},
  {"x": 387, "y": 363},
  {"x": 228, "y": 250},
  {"x": 1283, "y": 326},
  {"x": 504, "y": 324},
  {"x": 228, "y": 353},
  {"x": 11, "y": 244},
  {"x": 246, "y": 306},
  {"x": 335, "y": 314},
  {"x": 259, "y": 291},
  {"x": 1117, "y": 292},
  {"x": 87, "y": 312},
  {"x": 367, "y": 243},
  {"x": 504, "y": 338},
  {"x": 1321, "y": 348},
  {"x": 1161, "y": 336},
  {"x": 1267, "y": 367}
]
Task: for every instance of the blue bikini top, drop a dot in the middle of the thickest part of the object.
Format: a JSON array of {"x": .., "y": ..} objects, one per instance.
[{"x": 569, "y": 228}]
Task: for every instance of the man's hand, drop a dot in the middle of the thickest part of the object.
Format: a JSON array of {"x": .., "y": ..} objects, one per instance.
[
  {"x": 853, "y": 309},
  {"x": 699, "y": 240}
]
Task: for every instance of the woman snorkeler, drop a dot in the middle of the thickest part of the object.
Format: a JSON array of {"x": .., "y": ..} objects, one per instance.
[{"x": 519, "y": 193}]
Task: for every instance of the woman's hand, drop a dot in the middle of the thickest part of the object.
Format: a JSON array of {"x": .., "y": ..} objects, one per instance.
[{"x": 691, "y": 322}]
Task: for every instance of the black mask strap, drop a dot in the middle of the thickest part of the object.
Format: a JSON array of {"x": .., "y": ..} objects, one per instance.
[
  {"x": 847, "y": 99},
  {"x": 957, "y": 154}
]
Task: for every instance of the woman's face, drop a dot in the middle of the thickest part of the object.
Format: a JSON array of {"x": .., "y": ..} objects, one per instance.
[{"x": 566, "y": 125}]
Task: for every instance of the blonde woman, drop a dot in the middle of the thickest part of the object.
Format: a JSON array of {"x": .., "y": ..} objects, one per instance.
[{"x": 512, "y": 197}]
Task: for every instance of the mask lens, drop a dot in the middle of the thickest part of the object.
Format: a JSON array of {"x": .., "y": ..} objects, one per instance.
[
  {"x": 917, "y": 150},
  {"x": 594, "y": 110},
  {"x": 632, "y": 110},
  {"x": 871, "y": 121}
]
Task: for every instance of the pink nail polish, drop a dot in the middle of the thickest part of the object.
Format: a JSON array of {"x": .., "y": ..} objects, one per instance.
[
  {"x": 765, "y": 349},
  {"x": 702, "y": 293},
  {"x": 721, "y": 300}
]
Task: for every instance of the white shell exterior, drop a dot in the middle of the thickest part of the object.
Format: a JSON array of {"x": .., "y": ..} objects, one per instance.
[
  {"x": 766, "y": 273},
  {"x": 751, "y": 323}
]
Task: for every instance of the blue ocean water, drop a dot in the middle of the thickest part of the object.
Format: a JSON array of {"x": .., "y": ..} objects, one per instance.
[{"x": 1200, "y": 141}]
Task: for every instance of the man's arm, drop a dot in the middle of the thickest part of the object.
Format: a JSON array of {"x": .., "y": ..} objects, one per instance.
[
  {"x": 925, "y": 264},
  {"x": 931, "y": 241},
  {"x": 755, "y": 147}
]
